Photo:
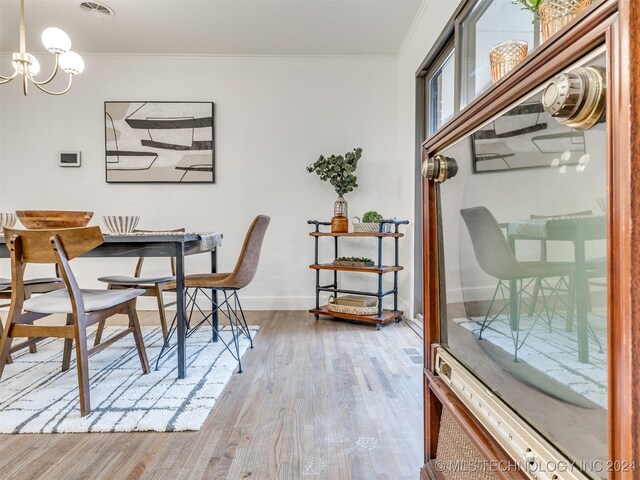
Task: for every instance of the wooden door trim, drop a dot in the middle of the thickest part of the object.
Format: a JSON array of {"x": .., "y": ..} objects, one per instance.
[{"x": 624, "y": 238}]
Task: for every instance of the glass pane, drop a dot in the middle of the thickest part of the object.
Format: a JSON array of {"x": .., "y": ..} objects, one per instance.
[
  {"x": 524, "y": 242},
  {"x": 489, "y": 23},
  {"x": 441, "y": 94}
]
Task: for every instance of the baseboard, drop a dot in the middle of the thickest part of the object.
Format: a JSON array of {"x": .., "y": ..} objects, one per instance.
[{"x": 249, "y": 303}]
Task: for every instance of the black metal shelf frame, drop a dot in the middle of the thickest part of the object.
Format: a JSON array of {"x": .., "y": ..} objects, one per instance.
[{"x": 380, "y": 294}]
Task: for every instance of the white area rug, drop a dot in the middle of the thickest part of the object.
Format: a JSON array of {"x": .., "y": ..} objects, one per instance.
[
  {"x": 554, "y": 353},
  {"x": 37, "y": 397}
]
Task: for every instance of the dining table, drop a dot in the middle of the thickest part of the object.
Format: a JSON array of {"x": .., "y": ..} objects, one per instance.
[
  {"x": 578, "y": 230},
  {"x": 162, "y": 244}
]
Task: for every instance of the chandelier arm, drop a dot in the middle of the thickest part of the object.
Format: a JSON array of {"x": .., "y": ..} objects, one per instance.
[
  {"x": 4, "y": 79},
  {"x": 56, "y": 93},
  {"x": 48, "y": 80}
]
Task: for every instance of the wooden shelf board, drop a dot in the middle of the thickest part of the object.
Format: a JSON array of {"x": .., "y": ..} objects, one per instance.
[
  {"x": 356, "y": 234},
  {"x": 388, "y": 316},
  {"x": 340, "y": 268}
]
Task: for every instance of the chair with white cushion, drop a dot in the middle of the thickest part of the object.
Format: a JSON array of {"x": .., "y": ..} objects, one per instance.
[
  {"x": 152, "y": 286},
  {"x": 31, "y": 286},
  {"x": 82, "y": 308}
]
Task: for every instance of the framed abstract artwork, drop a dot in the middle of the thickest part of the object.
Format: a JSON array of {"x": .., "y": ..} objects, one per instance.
[{"x": 159, "y": 142}]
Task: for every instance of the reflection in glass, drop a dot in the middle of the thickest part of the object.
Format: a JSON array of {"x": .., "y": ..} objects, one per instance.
[
  {"x": 489, "y": 23},
  {"x": 525, "y": 239},
  {"x": 441, "y": 94}
]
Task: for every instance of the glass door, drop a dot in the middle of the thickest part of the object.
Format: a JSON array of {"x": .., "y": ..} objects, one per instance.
[{"x": 523, "y": 254}]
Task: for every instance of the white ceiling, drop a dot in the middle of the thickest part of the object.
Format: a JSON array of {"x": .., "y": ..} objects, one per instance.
[{"x": 222, "y": 27}]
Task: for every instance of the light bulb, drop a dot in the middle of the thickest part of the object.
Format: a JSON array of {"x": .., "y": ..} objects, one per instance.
[
  {"x": 34, "y": 68},
  {"x": 71, "y": 63},
  {"x": 55, "y": 40}
]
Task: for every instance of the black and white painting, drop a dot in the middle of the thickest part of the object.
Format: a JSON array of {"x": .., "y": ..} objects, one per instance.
[
  {"x": 526, "y": 137},
  {"x": 159, "y": 142}
]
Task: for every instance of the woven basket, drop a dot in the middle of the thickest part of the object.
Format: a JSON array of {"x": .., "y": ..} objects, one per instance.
[
  {"x": 332, "y": 307},
  {"x": 361, "y": 227}
]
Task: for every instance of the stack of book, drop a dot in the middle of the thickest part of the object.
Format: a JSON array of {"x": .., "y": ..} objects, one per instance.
[
  {"x": 354, "y": 305},
  {"x": 356, "y": 301}
]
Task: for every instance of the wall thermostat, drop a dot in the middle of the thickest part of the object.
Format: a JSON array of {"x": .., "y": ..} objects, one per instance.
[{"x": 69, "y": 159}]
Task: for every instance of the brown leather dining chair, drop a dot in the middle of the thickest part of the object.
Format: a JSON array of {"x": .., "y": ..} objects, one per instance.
[
  {"x": 228, "y": 284},
  {"x": 82, "y": 308}
]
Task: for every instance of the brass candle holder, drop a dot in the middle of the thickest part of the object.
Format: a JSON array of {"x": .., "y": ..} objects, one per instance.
[{"x": 505, "y": 56}]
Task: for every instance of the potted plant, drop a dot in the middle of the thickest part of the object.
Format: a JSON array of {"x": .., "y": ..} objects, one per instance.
[
  {"x": 370, "y": 222},
  {"x": 338, "y": 171},
  {"x": 353, "y": 262}
]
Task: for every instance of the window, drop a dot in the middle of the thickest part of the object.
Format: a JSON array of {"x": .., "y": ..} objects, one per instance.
[
  {"x": 441, "y": 88},
  {"x": 488, "y": 23}
]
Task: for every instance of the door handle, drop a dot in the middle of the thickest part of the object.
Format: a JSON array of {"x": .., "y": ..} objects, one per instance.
[{"x": 439, "y": 168}]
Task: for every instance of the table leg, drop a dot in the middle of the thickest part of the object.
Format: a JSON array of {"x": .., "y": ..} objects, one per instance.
[
  {"x": 514, "y": 306},
  {"x": 514, "y": 299},
  {"x": 181, "y": 313},
  {"x": 214, "y": 296},
  {"x": 582, "y": 301}
]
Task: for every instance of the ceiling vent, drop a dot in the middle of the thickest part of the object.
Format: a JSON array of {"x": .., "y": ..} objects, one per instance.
[{"x": 97, "y": 9}]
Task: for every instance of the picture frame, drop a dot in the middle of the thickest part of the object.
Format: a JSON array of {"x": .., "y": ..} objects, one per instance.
[{"x": 159, "y": 142}]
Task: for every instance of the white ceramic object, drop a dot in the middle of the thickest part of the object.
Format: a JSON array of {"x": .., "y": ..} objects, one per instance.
[
  {"x": 8, "y": 220},
  {"x": 120, "y": 224}
]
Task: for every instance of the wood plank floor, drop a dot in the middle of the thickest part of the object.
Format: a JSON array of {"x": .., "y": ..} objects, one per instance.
[{"x": 317, "y": 400}]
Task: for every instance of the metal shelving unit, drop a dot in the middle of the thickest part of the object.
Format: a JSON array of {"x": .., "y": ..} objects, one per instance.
[{"x": 384, "y": 316}]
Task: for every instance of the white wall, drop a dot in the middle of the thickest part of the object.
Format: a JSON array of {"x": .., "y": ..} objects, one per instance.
[{"x": 274, "y": 116}]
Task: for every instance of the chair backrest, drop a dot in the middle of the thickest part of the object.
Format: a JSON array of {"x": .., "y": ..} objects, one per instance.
[
  {"x": 49, "y": 246},
  {"x": 247, "y": 264},
  {"x": 36, "y": 245},
  {"x": 490, "y": 246}
]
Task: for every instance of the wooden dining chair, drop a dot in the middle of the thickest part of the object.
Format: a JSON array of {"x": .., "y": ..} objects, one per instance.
[
  {"x": 82, "y": 308},
  {"x": 152, "y": 286},
  {"x": 31, "y": 286}
]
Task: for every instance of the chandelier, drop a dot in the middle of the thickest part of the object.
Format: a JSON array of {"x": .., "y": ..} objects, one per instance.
[{"x": 25, "y": 64}]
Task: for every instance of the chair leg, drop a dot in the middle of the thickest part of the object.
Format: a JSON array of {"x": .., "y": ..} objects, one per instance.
[
  {"x": 486, "y": 317},
  {"x": 99, "y": 332},
  {"x": 234, "y": 334},
  {"x": 68, "y": 346},
  {"x": 571, "y": 303},
  {"x": 161, "y": 312},
  {"x": 5, "y": 346},
  {"x": 137, "y": 334},
  {"x": 516, "y": 321},
  {"x": 82, "y": 365},
  {"x": 244, "y": 320},
  {"x": 534, "y": 295},
  {"x": 32, "y": 346}
]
